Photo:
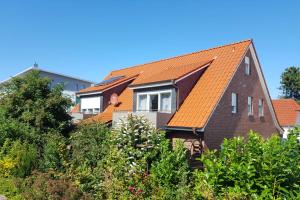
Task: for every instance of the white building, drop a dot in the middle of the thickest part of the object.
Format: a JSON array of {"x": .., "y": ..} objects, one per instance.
[{"x": 71, "y": 84}]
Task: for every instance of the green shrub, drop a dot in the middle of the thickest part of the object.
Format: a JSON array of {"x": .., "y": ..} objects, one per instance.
[
  {"x": 9, "y": 189},
  {"x": 253, "y": 168},
  {"x": 17, "y": 158},
  {"x": 50, "y": 185},
  {"x": 55, "y": 152},
  {"x": 170, "y": 174}
]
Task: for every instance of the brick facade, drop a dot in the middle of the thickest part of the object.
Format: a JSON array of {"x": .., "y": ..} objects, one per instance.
[{"x": 224, "y": 124}]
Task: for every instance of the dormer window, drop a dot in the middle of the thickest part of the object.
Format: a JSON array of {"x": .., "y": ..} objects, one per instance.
[
  {"x": 247, "y": 66},
  {"x": 154, "y": 101}
]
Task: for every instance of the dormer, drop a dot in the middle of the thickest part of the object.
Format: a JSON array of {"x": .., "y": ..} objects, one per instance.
[{"x": 95, "y": 99}]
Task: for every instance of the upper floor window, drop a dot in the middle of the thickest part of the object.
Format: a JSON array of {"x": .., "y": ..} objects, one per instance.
[
  {"x": 233, "y": 103},
  {"x": 250, "y": 106},
  {"x": 154, "y": 101},
  {"x": 247, "y": 66},
  {"x": 261, "y": 107}
]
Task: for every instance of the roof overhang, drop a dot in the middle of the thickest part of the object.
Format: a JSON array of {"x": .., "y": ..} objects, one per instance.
[
  {"x": 182, "y": 128},
  {"x": 152, "y": 85},
  {"x": 99, "y": 92}
]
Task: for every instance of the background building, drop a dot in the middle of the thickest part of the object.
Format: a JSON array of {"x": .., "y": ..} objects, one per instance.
[{"x": 71, "y": 84}]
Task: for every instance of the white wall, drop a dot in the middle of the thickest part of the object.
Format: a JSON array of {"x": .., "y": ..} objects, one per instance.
[
  {"x": 286, "y": 131},
  {"x": 90, "y": 102}
]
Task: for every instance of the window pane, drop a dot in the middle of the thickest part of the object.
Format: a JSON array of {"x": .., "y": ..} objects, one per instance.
[
  {"x": 153, "y": 102},
  {"x": 261, "y": 107},
  {"x": 233, "y": 102},
  {"x": 165, "y": 104},
  {"x": 247, "y": 65},
  {"x": 250, "y": 106},
  {"x": 142, "y": 104}
]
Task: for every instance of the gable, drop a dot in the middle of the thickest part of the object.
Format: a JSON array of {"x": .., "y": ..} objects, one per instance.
[
  {"x": 203, "y": 98},
  {"x": 225, "y": 124}
]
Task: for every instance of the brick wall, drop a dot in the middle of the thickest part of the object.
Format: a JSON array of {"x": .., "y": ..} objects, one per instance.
[{"x": 224, "y": 124}]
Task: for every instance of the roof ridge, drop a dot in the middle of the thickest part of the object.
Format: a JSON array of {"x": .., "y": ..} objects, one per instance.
[{"x": 165, "y": 59}]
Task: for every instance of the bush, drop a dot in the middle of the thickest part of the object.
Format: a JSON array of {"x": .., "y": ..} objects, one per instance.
[
  {"x": 17, "y": 158},
  {"x": 255, "y": 168},
  {"x": 171, "y": 175},
  {"x": 50, "y": 185},
  {"x": 55, "y": 152}
]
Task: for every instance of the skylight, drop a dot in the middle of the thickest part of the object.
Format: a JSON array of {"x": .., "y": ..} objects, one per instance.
[{"x": 110, "y": 80}]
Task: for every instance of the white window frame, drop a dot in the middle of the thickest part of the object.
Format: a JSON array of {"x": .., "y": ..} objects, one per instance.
[
  {"x": 234, "y": 103},
  {"x": 96, "y": 110},
  {"x": 148, "y": 100},
  {"x": 261, "y": 107},
  {"x": 250, "y": 104},
  {"x": 247, "y": 66}
]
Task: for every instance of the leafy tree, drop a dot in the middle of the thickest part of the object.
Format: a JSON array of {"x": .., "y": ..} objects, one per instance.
[
  {"x": 256, "y": 168},
  {"x": 290, "y": 83},
  {"x": 30, "y": 100}
]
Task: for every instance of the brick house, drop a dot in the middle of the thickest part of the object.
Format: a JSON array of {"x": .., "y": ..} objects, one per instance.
[
  {"x": 288, "y": 114},
  {"x": 200, "y": 98}
]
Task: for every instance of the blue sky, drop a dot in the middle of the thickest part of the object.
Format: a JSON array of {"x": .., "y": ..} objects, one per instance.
[{"x": 90, "y": 38}]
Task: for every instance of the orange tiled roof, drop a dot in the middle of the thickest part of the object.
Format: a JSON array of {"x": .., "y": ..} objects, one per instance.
[
  {"x": 199, "y": 104},
  {"x": 171, "y": 73},
  {"x": 126, "y": 101},
  {"x": 75, "y": 109},
  {"x": 286, "y": 111}
]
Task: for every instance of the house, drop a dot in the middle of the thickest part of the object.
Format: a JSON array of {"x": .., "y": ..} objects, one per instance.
[
  {"x": 71, "y": 84},
  {"x": 199, "y": 98},
  {"x": 288, "y": 114}
]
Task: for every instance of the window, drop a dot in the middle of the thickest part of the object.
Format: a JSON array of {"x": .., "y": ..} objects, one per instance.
[
  {"x": 165, "y": 102},
  {"x": 247, "y": 65},
  {"x": 250, "y": 106},
  {"x": 154, "y": 101},
  {"x": 90, "y": 111},
  {"x": 96, "y": 110},
  {"x": 83, "y": 111},
  {"x": 233, "y": 103},
  {"x": 261, "y": 107},
  {"x": 142, "y": 102}
]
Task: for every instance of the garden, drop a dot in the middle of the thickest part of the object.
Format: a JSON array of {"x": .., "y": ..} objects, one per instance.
[{"x": 44, "y": 156}]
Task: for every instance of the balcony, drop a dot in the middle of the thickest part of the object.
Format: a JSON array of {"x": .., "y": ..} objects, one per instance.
[{"x": 157, "y": 119}]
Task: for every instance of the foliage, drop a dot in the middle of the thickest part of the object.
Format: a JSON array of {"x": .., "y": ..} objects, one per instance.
[
  {"x": 55, "y": 152},
  {"x": 14, "y": 130},
  {"x": 50, "y": 185},
  {"x": 9, "y": 189},
  {"x": 290, "y": 83},
  {"x": 134, "y": 144},
  {"x": 89, "y": 146},
  {"x": 170, "y": 175},
  {"x": 30, "y": 100},
  {"x": 17, "y": 159},
  {"x": 255, "y": 168}
]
